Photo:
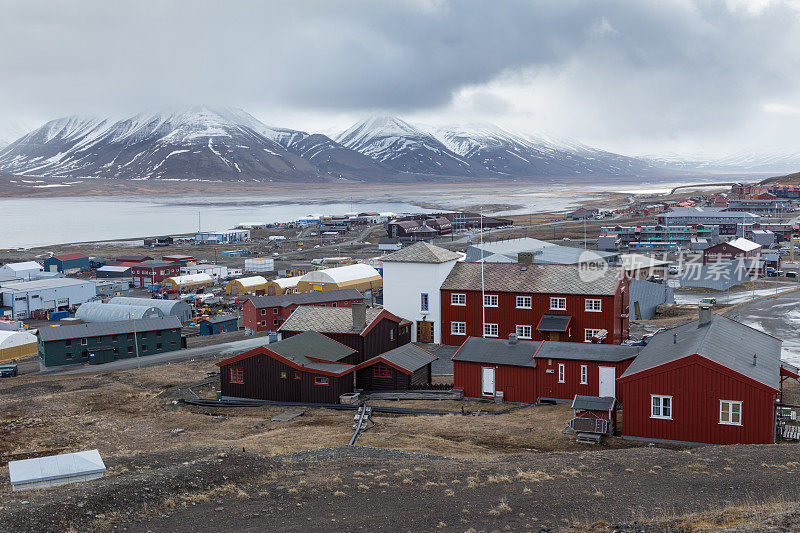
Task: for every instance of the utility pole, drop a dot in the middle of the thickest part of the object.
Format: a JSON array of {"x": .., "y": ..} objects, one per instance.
[
  {"x": 135, "y": 342},
  {"x": 483, "y": 287}
]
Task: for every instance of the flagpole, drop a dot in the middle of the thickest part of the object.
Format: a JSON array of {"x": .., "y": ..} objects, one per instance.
[{"x": 483, "y": 286}]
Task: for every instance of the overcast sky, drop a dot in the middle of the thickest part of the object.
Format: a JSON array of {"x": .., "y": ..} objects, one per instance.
[{"x": 637, "y": 76}]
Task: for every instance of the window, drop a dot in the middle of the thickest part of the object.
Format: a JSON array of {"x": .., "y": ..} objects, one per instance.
[
  {"x": 116, "y": 351},
  {"x": 130, "y": 336},
  {"x": 584, "y": 375},
  {"x": 561, "y": 372},
  {"x": 593, "y": 305},
  {"x": 263, "y": 312},
  {"x": 84, "y": 342},
  {"x": 524, "y": 302},
  {"x": 274, "y": 310},
  {"x": 391, "y": 334},
  {"x": 382, "y": 372},
  {"x": 730, "y": 413},
  {"x": 284, "y": 374},
  {"x": 68, "y": 342},
  {"x": 158, "y": 333},
  {"x": 423, "y": 301},
  {"x": 333, "y": 304},
  {"x": 85, "y": 354},
  {"x": 524, "y": 332},
  {"x": 458, "y": 328},
  {"x": 661, "y": 407},
  {"x": 490, "y": 300},
  {"x": 458, "y": 299},
  {"x": 144, "y": 335},
  {"x": 68, "y": 356},
  {"x": 275, "y": 322},
  {"x": 297, "y": 375},
  {"x": 144, "y": 347},
  {"x": 588, "y": 334},
  {"x": 113, "y": 338},
  {"x": 558, "y": 304},
  {"x": 158, "y": 346},
  {"x": 320, "y": 380},
  {"x": 130, "y": 349},
  {"x": 237, "y": 375},
  {"x": 490, "y": 330},
  {"x": 263, "y": 323}
]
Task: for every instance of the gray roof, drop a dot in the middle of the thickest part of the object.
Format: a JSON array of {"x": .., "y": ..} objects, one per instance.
[
  {"x": 408, "y": 356},
  {"x": 113, "y": 268},
  {"x": 500, "y": 351},
  {"x": 533, "y": 278},
  {"x": 304, "y": 298},
  {"x": 166, "y": 306},
  {"x": 100, "y": 312},
  {"x": 723, "y": 340},
  {"x": 587, "y": 351},
  {"x": 711, "y": 212},
  {"x": 40, "y": 284},
  {"x": 557, "y": 323},
  {"x": 220, "y": 319},
  {"x": 422, "y": 252},
  {"x": 299, "y": 348},
  {"x": 544, "y": 252},
  {"x": 326, "y": 319},
  {"x": 108, "y": 328},
  {"x": 593, "y": 403},
  {"x": 63, "y": 466}
]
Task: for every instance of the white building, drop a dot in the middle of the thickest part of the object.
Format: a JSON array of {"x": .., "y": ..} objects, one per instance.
[
  {"x": 27, "y": 270},
  {"x": 25, "y": 297},
  {"x": 259, "y": 264},
  {"x": 222, "y": 237},
  {"x": 217, "y": 272},
  {"x": 411, "y": 281}
]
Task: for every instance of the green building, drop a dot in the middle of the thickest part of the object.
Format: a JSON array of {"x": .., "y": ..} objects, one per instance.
[{"x": 102, "y": 342}]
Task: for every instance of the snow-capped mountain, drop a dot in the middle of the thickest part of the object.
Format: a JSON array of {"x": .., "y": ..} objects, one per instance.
[
  {"x": 405, "y": 148},
  {"x": 754, "y": 160},
  {"x": 514, "y": 154},
  {"x": 10, "y": 131}
]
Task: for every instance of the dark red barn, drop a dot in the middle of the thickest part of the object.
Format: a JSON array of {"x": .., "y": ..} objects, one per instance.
[
  {"x": 264, "y": 313},
  {"x": 713, "y": 381},
  {"x": 535, "y": 302},
  {"x": 403, "y": 368}
]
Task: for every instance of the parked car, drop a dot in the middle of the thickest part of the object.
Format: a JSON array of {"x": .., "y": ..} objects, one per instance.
[
  {"x": 8, "y": 371},
  {"x": 708, "y": 300},
  {"x": 673, "y": 269}
]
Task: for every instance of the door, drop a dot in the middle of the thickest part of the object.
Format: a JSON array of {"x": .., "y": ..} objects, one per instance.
[
  {"x": 488, "y": 381},
  {"x": 424, "y": 331},
  {"x": 607, "y": 381}
]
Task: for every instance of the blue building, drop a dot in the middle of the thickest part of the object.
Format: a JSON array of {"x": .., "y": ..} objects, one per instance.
[
  {"x": 219, "y": 324},
  {"x": 67, "y": 263}
]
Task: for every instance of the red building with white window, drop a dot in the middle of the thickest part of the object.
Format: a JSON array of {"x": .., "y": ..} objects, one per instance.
[
  {"x": 536, "y": 302},
  {"x": 739, "y": 248},
  {"x": 265, "y": 313},
  {"x": 152, "y": 272}
]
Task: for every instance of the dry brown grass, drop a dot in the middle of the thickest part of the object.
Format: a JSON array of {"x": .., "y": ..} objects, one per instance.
[{"x": 500, "y": 508}]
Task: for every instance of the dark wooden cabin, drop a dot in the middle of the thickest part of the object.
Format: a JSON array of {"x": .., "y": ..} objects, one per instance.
[
  {"x": 305, "y": 368},
  {"x": 369, "y": 331},
  {"x": 400, "y": 369}
]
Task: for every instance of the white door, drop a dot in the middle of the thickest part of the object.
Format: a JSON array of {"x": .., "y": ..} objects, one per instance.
[
  {"x": 608, "y": 377},
  {"x": 488, "y": 381}
]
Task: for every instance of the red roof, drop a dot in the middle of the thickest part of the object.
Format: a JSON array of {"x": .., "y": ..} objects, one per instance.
[{"x": 68, "y": 257}]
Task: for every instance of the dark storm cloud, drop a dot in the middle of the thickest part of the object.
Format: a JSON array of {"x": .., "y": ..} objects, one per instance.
[{"x": 614, "y": 68}]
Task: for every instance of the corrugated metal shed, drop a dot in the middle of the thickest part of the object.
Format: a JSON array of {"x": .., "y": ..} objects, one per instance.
[
  {"x": 176, "y": 308},
  {"x": 56, "y": 470},
  {"x": 100, "y": 312}
]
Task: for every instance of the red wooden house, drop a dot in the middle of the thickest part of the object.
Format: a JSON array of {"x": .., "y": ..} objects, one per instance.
[
  {"x": 308, "y": 367},
  {"x": 570, "y": 303},
  {"x": 740, "y": 248},
  {"x": 369, "y": 331},
  {"x": 152, "y": 272},
  {"x": 528, "y": 371},
  {"x": 713, "y": 381},
  {"x": 264, "y": 313},
  {"x": 403, "y": 368}
]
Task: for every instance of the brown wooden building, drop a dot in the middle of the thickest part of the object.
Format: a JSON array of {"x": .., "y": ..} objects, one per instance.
[
  {"x": 403, "y": 368},
  {"x": 369, "y": 331},
  {"x": 308, "y": 367}
]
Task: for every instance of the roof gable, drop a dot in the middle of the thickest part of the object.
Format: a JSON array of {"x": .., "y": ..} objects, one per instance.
[
  {"x": 407, "y": 358},
  {"x": 422, "y": 252},
  {"x": 333, "y": 320}
]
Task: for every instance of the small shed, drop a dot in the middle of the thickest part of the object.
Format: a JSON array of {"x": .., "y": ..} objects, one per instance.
[
  {"x": 403, "y": 368},
  {"x": 41, "y": 472},
  {"x": 100, "y": 312},
  {"x": 16, "y": 345},
  {"x": 594, "y": 415},
  {"x": 114, "y": 271},
  {"x": 219, "y": 324},
  {"x": 247, "y": 285}
]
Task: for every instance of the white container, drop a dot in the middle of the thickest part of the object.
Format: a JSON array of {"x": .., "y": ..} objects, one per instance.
[{"x": 261, "y": 264}]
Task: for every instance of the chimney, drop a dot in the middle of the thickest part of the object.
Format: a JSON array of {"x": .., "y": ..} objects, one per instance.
[
  {"x": 513, "y": 339},
  {"x": 705, "y": 315},
  {"x": 674, "y": 338},
  {"x": 359, "y": 315},
  {"x": 525, "y": 257},
  {"x": 755, "y": 359}
]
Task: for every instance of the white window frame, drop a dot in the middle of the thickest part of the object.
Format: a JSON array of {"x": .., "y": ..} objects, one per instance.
[
  {"x": 528, "y": 299},
  {"x": 730, "y": 404},
  {"x": 458, "y": 328},
  {"x": 457, "y": 298},
  {"x": 490, "y": 327},
  {"x": 593, "y": 305},
  {"x": 561, "y": 373},
  {"x": 558, "y": 303},
  {"x": 584, "y": 374},
  {"x": 660, "y": 414},
  {"x": 424, "y": 301},
  {"x": 521, "y": 331},
  {"x": 589, "y": 333},
  {"x": 491, "y": 298}
]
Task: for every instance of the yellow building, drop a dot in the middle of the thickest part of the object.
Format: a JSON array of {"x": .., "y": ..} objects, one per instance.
[
  {"x": 188, "y": 282},
  {"x": 246, "y": 285},
  {"x": 16, "y": 345},
  {"x": 358, "y": 276},
  {"x": 283, "y": 285}
]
